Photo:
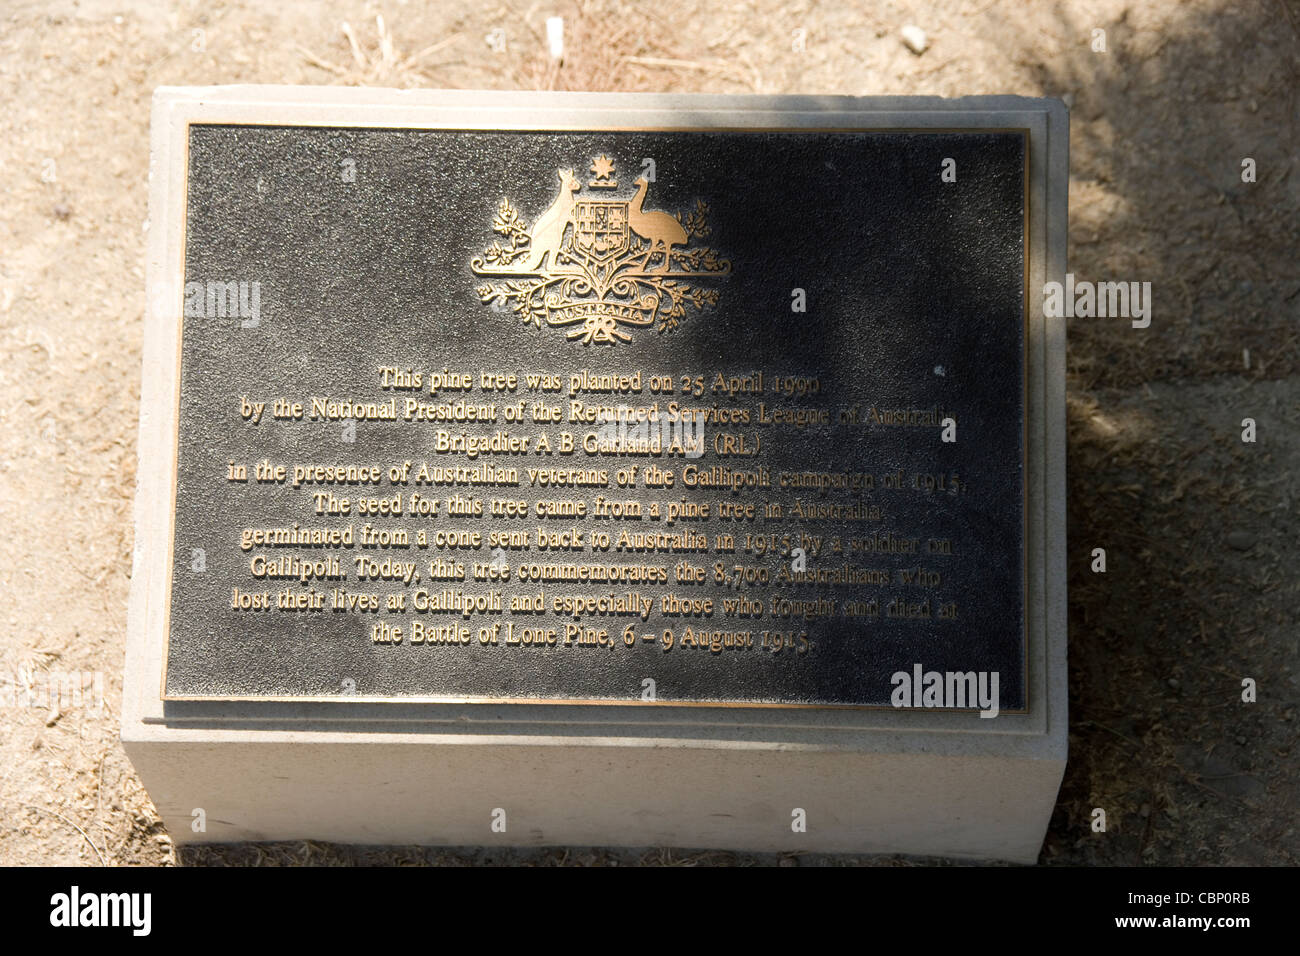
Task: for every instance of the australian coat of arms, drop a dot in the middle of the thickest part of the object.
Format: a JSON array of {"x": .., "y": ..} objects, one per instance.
[{"x": 598, "y": 265}]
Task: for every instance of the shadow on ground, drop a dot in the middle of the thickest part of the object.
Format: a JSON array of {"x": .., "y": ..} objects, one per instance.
[{"x": 1196, "y": 524}]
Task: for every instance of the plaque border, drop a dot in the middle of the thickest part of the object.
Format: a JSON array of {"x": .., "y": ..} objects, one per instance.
[
  {"x": 599, "y": 701},
  {"x": 176, "y": 109}
]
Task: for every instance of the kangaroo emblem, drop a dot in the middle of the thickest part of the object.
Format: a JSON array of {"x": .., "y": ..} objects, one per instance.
[{"x": 548, "y": 232}]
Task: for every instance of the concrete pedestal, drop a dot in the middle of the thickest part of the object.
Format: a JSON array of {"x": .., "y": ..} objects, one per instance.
[{"x": 727, "y": 777}]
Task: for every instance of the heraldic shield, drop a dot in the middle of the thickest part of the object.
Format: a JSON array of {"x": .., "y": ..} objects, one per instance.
[
  {"x": 600, "y": 229},
  {"x": 600, "y": 267}
]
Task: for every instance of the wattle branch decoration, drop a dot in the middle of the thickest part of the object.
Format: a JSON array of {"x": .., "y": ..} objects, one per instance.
[{"x": 601, "y": 267}]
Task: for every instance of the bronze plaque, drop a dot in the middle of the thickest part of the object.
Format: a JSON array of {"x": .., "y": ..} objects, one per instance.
[{"x": 630, "y": 416}]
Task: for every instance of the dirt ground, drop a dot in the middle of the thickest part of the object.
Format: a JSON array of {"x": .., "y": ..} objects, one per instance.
[{"x": 1200, "y": 528}]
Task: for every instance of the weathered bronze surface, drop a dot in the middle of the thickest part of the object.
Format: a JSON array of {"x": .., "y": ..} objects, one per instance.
[{"x": 759, "y": 335}]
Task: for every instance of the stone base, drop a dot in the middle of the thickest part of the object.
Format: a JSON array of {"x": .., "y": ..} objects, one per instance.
[
  {"x": 444, "y": 789},
  {"x": 867, "y": 781}
]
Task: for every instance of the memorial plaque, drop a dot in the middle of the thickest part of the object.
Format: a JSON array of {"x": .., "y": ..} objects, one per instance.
[
  {"x": 721, "y": 434},
  {"x": 493, "y": 415}
]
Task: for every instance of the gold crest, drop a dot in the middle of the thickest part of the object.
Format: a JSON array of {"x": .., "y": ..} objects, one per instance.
[{"x": 600, "y": 265}]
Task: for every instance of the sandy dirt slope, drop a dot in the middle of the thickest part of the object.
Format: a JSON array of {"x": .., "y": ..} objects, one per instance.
[{"x": 1200, "y": 529}]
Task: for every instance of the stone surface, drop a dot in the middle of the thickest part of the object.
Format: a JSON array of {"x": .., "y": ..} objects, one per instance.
[{"x": 435, "y": 771}]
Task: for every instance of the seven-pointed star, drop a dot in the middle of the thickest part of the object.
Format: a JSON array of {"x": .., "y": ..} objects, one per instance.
[{"x": 602, "y": 166}]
